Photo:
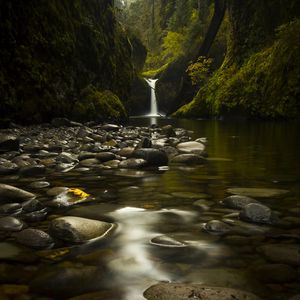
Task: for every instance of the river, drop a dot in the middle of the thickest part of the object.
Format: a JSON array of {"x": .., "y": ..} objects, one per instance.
[{"x": 176, "y": 202}]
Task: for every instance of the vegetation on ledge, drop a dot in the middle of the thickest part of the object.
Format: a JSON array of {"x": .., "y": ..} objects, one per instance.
[{"x": 266, "y": 85}]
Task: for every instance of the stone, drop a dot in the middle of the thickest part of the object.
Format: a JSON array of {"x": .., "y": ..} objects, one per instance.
[
  {"x": 189, "y": 159},
  {"x": 191, "y": 147},
  {"x": 69, "y": 197},
  {"x": 34, "y": 238},
  {"x": 110, "y": 127},
  {"x": 237, "y": 201},
  {"x": 154, "y": 157},
  {"x": 275, "y": 273},
  {"x": 78, "y": 230},
  {"x": 186, "y": 291},
  {"x": 9, "y": 143},
  {"x": 105, "y": 156},
  {"x": 67, "y": 158},
  {"x": 217, "y": 227},
  {"x": 10, "y": 208},
  {"x": 10, "y": 224},
  {"x": 258, "y": 192},
  {"x": 32, "y": 205},
  {"x": 64, "y": 122},
  {"x": 133, "y": 163},
  {"x": 257, "y": 213},
  {"x": 282, "y": 253},
  {"x": 168, "y": 130},
  {"x": 35, "y": 216},
  {"x": 167, "y": 241},
  {"x": 39, "y": 184},
  {"x": 35, "y": 170},
  {"x": 56, "y": 191},
  {"x": 8, "y": 168},
  {"x": 126, "y": 152},
  {"x": 9, "y": 193}
]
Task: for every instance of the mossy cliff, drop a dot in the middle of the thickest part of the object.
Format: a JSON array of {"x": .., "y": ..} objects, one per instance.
[
  {"x": 261, "y": 73},
  {"x": 52, "y": 50}
]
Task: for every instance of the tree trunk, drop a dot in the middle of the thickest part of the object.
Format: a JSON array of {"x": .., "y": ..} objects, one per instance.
[{"x": 214, "y": 26}]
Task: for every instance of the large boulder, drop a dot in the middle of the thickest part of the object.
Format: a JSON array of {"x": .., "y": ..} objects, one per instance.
[
  {"x": 34, "y": 238},
  {"x": 9, "y": 193},
  {"x": 185, "y": 291},
  {"x": 78, "y": 230}
]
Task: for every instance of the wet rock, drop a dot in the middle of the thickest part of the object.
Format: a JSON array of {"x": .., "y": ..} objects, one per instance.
[
  {"x": 276, "y": 273},
  {"x": 133, "y": 163},
  {"x": 10, "y": 208},
  {"x": 69, "y": 197},
  {"x": 168, "y": 130},
  {"x": 257, "y": 213},
  {"x": 35, "y": 170},
  {"x": 67, "y": 280},
  {"x": 190, "y": 159},
  {"x": 8, "y": 168},
  {"x": 86, "y": 155},
  {"x": 110, "y": 127},
  {"x": 113, "y": 164},
  {"x": 56, "y": 191},
  {"x": 105, "y": 156},
  {"x": 34, "y": 238},
  {"x": 78, "y": 230},
  {"x": 145, "y": 143},
  {"x": 191, "y": 147},
  {"x": 9, "y": 143},
  {"x": 237, "y": 201},
  {"x": 167, "y": 241},
  {"x": 126, "y": 152},
  {"x": 186, "y": 291},
  {"x": 90, "y": 162},
  {"x": 258, "y": 192},
  {"x": 10, "y": 224},
  {"x": 217, "y": 227},
  {"x": 154, "y": 157},
  {"x": 35, "y": 216},
  {"x": 32, "y": 205},
  {"x": 67, "y": 158},
  {"x": 39, "y": 184},
  {"x": 9, "y": 193},
  {"x": 282, "y": 253}
]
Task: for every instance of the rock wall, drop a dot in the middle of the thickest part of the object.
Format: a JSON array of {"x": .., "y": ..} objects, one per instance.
[{"x": 52, "y": 50}]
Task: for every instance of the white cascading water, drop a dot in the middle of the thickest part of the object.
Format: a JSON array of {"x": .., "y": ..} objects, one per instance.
[{"x": 153, "y": 111}]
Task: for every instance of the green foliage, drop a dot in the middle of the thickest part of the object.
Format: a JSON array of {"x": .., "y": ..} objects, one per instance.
[
  {"x": 155, "y": 73},
  {"x": 266, "y": 85},
  {"x": 200, "y": 70},
  {"x": 96, "y": 105},
  {"x": 172, "y": 46}
]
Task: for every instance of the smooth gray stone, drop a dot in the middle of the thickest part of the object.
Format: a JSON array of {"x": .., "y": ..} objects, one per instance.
[
  {"x": 9, "y": 193},
  {"x": 237, "y": 201},
  {"x": 78, "y": 230},
  {"x": 34, "y": 238},
  {"x": 11, "y": 224}
]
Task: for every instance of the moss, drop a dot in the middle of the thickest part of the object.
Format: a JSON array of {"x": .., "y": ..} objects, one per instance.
[
  {"x": 98, "y": 105},
  {"x": 155, "y": 73},
  {"x": 266, "y": 85}
]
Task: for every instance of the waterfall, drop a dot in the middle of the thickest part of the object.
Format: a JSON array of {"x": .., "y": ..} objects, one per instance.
[{"x": 153, "y": 110}]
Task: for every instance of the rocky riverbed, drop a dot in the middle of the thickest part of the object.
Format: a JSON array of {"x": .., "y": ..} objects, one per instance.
[{"x": 84, "y": 214}]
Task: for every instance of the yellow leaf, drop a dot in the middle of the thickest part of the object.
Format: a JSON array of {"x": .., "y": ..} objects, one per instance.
[{"x": 78, "y": 193}]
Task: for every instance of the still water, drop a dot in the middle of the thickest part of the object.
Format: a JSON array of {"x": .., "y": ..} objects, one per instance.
[{"x": 177, "y": 202}]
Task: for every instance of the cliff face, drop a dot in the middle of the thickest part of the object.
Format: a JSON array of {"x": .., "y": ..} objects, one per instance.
[
  {"x": 260, "y": 74},
  {"x": 52, "y": 50}
]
